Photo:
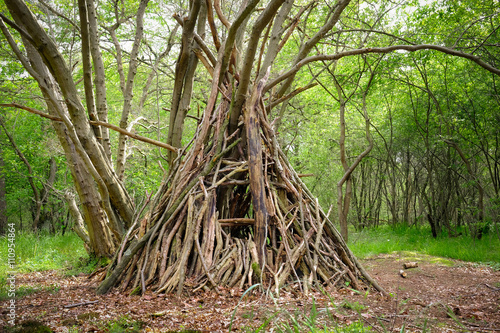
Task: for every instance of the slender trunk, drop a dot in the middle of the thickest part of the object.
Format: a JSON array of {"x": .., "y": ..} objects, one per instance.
[
  {"x": 472, "y": 174},
  {"x": 244, "y": 80},
  {"x": 344, "y": 203},
  {"x": 47, "y": 211},
  {"x": 87, "y": 66},
  {"x": 340, "y": 196},
  {"x": 78, "y": 226},
  {"x": 99, "y": 77},
  {"x": 129, "y": 86},
  {"x": 184, "y": 76}
]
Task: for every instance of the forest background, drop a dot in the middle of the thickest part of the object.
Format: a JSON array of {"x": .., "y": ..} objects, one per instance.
[{"x": 397, "y": 138}]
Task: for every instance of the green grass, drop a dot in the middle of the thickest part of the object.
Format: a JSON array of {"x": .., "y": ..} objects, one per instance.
[
  {"x": 42, "y": 251},
  {"x": 124, "y": 324},
  {"x": 371, "y": 242},
  {"x": 28, "y": 290}
]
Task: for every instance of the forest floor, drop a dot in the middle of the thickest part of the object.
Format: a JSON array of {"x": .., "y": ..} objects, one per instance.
[{"x": 440, "y": 295}]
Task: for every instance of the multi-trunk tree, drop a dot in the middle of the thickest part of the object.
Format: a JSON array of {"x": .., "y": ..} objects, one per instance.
[{"x": 231, "y": 210}]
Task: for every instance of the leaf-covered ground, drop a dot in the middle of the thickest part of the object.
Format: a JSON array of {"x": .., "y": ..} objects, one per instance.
[{"x": 439, "y": 295}]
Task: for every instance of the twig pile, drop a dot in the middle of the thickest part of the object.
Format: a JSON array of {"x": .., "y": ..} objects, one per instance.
[{"x": 202, "y": 231}]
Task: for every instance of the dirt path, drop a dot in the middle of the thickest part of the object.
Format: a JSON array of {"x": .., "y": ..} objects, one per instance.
[{"x": 439, "y": 295}]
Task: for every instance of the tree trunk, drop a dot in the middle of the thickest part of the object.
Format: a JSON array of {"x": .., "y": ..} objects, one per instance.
[
  {"x": 343, "y": 203},
  {"x": 78, "y": 227},
  {"x": 128, "y": 92},
  {"x": 184, "y": 75}
]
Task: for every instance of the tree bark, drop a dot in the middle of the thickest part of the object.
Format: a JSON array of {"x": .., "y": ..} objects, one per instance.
[
  {"x": 128, "y": 92},
  {"x": 78, "y": 227},
  {"x": 184, "y": 76},
  {"x": 99, "y": 76},
  {"x": 255, "y": 168}
]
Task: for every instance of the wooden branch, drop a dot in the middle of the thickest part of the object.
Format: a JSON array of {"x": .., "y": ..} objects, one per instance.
[
  {"x": 290, "y": 31},
  {"x": 231, "y": 34},
  {"x": 388, "y": 49},
  {"x": 236, "y": 221},
  {"x": 135, "y": 136},
  {"x": 334, "y": 14},
  {"x": 61, "y": 15},
  {"x": 302, "y": 175},
  {"x": 21, "y": 31},
  {"x": 412, "y": 264},
  {"x": 290, "y": 95},
  {"x": 221, "y": 16},
  {"x": 211, "y": 23},
  {"x": 99, "y": 123},
  {"x": 255, "y": 168},
  {"x": 204, "y": 61},
  {"x": 199, "y": 40},
  {"x": 80, "y": 304}
]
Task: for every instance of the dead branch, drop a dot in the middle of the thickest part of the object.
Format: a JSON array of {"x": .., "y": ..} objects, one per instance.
[
  {"x": 98, "y": 123},
  {"x": 80, "y": 304}
]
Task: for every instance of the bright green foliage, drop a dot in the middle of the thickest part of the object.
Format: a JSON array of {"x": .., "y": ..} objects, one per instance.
[
  {"x": 124, "y": 324},
  {"x": 43, "y": 251},
  {"x": 371, "y": 242}
]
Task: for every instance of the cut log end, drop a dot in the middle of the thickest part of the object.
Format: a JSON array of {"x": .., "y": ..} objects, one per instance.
[{"x": 408, "y": 265}]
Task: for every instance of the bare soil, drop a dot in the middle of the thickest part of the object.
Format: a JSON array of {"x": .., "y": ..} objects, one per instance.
[{"x": 438, "y": 296}]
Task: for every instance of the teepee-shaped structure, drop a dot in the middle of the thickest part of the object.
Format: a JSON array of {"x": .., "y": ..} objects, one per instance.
[{"x": 233, "y": 212}]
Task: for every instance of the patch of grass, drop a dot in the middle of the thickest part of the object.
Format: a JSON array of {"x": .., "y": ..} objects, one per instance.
[
  {"x": 302, "y": 326},
  {"x": 28, "y": 326},
  {"x": 124, "y": 324},
  {"x": 85, "y": 265},
  {"x": 42, "y": 251},
  {"x": 493, "y": 265},
  {"x": 355, "y": 306},
  {"x": 386, "y": 239},
  {"x": 22, "y": 291}
]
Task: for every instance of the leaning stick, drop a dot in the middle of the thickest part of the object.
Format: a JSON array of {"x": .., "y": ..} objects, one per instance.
[
  {"x": 98, "y": 123},
  {"x": 79, "y": 304}
]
